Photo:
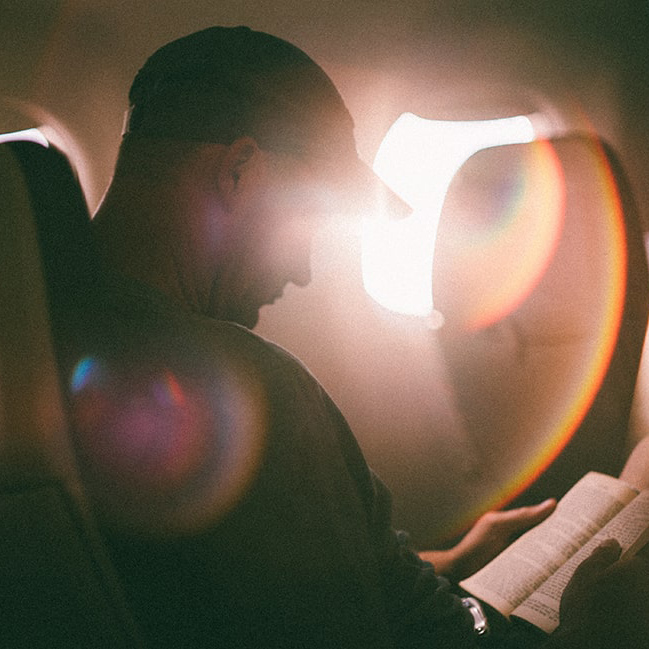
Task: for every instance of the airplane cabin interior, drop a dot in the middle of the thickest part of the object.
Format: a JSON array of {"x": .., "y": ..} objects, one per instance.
[{"x": 487, "y": 350}]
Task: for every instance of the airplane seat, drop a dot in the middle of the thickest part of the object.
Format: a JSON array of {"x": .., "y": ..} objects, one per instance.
[
  {"x": 602, "y": 440},
  {"x": 604, "y": 433},
  {"x": 543, "y": 339},
  {"x": 57, "y": 587}
]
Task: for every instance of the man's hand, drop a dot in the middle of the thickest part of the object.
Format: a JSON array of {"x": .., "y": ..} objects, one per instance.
[
  {"x": 490, "y": 535},
  {"x": 606, "y": 603}
]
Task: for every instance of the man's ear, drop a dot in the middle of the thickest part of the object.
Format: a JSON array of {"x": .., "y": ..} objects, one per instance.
[{"x": 239, "y": 165}]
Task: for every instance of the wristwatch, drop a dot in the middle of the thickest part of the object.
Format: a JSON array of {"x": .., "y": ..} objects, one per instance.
[{"x": 480, "y": 624}]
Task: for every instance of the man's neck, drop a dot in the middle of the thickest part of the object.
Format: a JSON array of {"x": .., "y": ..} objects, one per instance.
[{"x": 139, "y": 240}]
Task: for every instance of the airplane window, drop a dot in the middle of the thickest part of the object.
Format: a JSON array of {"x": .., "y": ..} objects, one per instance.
[
  {"x": 418, "y": 159},
  {"x": 30, "y": 134}
]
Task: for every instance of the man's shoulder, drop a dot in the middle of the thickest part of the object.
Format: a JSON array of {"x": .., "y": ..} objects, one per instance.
[
  {"x": 146, "y": 323},
  {"x": 244, "y": 343}
]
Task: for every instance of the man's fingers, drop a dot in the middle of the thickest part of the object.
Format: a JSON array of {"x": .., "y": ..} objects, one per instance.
[
  {"x": 604, "y": 555},
  {"x": 522, "y": 518},
  {"x": 540, "y": 512}
]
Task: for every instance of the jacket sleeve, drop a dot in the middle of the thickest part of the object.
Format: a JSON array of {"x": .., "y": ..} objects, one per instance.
[{"x": 422, "y": 609}]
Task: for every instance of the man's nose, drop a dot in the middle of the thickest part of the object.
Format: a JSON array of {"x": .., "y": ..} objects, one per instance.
[{"x": 302, "y": 275}]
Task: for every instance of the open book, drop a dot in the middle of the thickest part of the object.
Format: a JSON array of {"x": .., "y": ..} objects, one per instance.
[{"x": 527, "y": 579}]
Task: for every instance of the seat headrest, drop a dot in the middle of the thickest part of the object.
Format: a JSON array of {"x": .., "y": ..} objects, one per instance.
[{"x": 36, "y": 183}]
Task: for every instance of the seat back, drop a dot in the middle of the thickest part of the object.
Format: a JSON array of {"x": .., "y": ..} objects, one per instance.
[
  {"x": 57, "y": 587},
  {"x": 543, "y": 256}
]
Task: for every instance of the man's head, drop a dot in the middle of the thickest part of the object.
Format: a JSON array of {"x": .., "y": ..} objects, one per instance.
[
  {"x": 283, "y": 153},
  {"x": 221, "y": 84}
]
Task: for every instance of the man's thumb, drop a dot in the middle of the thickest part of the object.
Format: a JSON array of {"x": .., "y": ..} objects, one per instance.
[{"x": 604, "y": 555}]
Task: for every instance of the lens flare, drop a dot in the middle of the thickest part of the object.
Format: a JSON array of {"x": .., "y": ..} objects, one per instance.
[
  {"x": 531, "y": 270},
  {"x": 608, "y": 220},
  {"x": 502, "y": 224},
  {"x": 85, "y": 372},
  {"x": 164, "y": 452}
]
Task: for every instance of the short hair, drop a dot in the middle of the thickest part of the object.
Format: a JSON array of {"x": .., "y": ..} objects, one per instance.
[{"x": 221, "y": 83}]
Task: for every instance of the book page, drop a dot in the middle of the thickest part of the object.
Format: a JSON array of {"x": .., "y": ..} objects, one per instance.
[
  {"x": 631, "y": 529},
  {"x": 519, "y": 570}
]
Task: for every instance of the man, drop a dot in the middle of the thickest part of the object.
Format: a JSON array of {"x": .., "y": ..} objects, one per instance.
[{"x": 238, "y": 507}]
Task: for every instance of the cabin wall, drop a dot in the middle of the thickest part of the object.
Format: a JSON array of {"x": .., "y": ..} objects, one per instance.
[{"x": 68, "y": 65}]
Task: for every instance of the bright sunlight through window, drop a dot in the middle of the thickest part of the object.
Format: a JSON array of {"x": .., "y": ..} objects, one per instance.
[
  {"x": 31, "y": 134},
  {"x": 418, "y": 159}
]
